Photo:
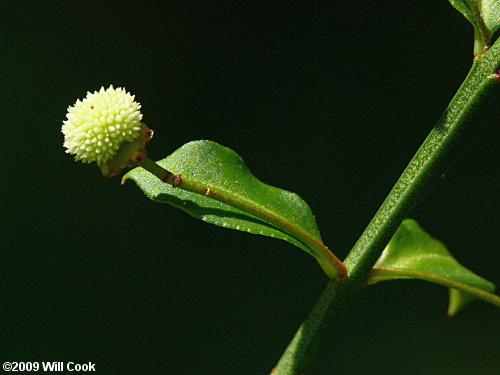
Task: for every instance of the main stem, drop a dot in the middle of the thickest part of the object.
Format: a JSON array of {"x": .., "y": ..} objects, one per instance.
[{"x": 416, "y": 178}]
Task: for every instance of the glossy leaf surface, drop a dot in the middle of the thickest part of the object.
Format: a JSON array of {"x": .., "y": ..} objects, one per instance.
[
  {"x": 413, "y": 253},
  {"x": 212, "y": 166}
]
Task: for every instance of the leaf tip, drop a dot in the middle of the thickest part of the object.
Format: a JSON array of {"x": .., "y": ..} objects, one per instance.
[{"x": 458, "y": 300}]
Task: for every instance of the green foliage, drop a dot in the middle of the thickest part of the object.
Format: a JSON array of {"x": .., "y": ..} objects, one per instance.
[
  {"x": 490, "y": 10},
  {"x": 480, "y": 11},
  {"x": 249, "y": 203},
  {"x": 462, "y": 7},
  {"x": 413, "y": 253},
  {"x": 484, "y": 15}
]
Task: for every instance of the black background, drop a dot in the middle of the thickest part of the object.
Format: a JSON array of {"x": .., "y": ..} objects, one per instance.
[{"x": 326, "y": 99}]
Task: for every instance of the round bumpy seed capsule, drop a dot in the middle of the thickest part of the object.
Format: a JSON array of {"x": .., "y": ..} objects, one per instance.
[{"x": 106, "y": 127}]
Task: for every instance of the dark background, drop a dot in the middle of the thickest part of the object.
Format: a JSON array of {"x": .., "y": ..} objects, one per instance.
[{"x": 329, "y": 100}]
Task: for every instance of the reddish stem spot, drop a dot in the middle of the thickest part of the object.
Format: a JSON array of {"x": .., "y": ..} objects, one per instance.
[
  {"x": 151, "y": 134},
  {"x": 166, "y": 177},
  {"x": 176, "y": 181},
  {"x": 208, "y": 192},
  {"x": 497, "y": 74}
]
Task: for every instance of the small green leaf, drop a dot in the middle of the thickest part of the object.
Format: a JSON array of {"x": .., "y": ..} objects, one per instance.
[
  {"x": 462, "y": 7},
  {"x": 490, "y": 11},
  {"x": 413, "y": 253},
  {"x": 253, "y": 207},
  {"x": 484, "y": 15}
]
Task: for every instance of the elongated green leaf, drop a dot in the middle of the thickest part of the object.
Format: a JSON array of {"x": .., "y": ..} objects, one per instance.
[
  {"x": 249, "y": 205},
  {"x": 413, "y": 253}
]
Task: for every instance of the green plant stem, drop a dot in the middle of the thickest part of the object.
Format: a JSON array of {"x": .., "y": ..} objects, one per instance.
[
  {"x": 332, "y": 266},
  {"x": 416, "y": 178}
]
